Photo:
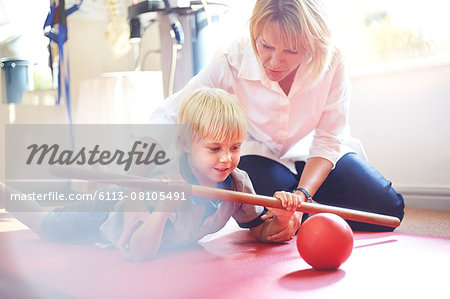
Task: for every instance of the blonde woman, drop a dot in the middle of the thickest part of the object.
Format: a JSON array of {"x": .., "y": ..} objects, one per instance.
[{"x": 291, "y": 81}]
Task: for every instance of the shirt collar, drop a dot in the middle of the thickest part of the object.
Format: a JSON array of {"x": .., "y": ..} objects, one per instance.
[
  {"x": 210, "y": 206},
  {"x": 250, "y": 68}
]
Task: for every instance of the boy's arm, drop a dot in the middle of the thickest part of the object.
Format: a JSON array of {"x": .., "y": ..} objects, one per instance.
[
  {"x": 144, "y": 242},
  {"x": 142, "y": 232}
]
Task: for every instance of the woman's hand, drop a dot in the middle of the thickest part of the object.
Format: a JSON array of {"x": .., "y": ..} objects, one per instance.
[{"x": 289, "y": 201}]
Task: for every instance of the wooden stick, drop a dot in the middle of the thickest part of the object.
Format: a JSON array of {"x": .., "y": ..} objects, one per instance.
[
  {"x": 220, "y": 194},
  {"x": 312, "y": 208}
]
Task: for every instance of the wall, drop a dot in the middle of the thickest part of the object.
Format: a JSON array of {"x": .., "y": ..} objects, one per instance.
[
  {"x": 89, "y": 57},
  {"x": 401, "y": 116},
  {"x": 90, "y": 54}
]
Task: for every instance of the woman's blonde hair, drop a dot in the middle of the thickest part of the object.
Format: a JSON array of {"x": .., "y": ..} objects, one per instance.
[
  {"x": 213, "y": 113},
  {"x": 302, "y": 23}
]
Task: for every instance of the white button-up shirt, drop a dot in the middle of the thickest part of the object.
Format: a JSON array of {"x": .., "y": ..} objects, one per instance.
[{"x": 308, "y": 122}]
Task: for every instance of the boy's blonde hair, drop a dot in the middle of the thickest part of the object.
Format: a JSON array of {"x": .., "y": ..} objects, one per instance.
[
  {"x": 213, "y": 113},
  {"x": 301, "y": 23}
]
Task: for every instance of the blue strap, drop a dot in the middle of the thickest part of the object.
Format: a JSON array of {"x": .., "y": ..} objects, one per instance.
[{"x": 60, "y": 38}]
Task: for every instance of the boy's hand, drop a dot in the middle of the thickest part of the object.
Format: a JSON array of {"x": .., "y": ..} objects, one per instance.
[
  {"x": 135, "y": 213},
  {"x": 289, "y": 231},
  {"x": 288, "y": 217}
]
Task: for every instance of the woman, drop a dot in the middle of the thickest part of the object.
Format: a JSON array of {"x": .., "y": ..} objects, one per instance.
[{"x": 291, "y": 80}]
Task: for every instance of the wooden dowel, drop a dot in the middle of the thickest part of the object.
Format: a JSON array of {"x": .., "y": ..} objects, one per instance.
[
  {"x": 312, "y": 208},
  {"x": 220, "y": 194}
]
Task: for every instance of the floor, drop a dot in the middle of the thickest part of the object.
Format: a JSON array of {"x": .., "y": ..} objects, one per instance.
[
  {"x": 9, "y": 223},
  {"x": 416, "y": 221},
  {"x": 426, "y": 222},
  {"x": 405, "y": 265}
]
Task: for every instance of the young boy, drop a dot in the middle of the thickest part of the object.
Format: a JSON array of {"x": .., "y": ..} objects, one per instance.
[{"x": 210, "y": 159}]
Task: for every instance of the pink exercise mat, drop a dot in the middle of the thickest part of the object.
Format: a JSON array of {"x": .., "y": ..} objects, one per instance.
[{"x": 229, "y": 264}]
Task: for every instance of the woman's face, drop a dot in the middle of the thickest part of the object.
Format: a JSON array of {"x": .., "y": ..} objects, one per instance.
[{"x": 277, "y": 57}]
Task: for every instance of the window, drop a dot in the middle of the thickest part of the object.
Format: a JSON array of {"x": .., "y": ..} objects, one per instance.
[{"x": 386, "y": 31}]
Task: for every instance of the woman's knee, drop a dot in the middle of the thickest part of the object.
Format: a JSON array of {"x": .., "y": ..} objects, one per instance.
[
  {"x": 394, "y": 203},
  {"x": 356, "y": 184},
  {"x": 267, "y": 176}
]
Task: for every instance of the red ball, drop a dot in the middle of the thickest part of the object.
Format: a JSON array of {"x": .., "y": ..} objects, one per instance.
[{"x": 325, "y": 241}]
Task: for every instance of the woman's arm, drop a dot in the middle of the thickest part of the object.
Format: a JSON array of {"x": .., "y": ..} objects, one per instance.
[
  {"x": 315, "y": 172},
  {"x": 331, "y": 129},
  {"x": 281, "y": 225}
]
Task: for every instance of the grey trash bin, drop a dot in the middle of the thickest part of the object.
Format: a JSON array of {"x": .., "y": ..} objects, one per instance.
[{"x": 15, "y": 78}]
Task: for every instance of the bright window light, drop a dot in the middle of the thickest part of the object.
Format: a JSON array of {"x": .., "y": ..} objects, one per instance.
[{"x": 386, "y": 31}]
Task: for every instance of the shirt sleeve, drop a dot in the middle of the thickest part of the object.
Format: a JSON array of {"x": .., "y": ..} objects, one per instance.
[
  {"x": 254, "y": 223},
  {"x": 329, "y": 133},
  {"x": 247, "y": 216}
]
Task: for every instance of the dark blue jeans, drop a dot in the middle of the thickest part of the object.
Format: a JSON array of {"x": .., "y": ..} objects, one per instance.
[
  {"x": 353, "y": 183},
  {"x": 78, "y": 223}
]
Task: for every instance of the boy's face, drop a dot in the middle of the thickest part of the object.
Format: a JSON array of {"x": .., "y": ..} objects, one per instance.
[{"x": 212, "y": 161}]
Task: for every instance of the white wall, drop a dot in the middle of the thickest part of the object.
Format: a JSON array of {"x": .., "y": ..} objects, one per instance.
[
  {"x": 90, "y": 54},
  {"x": 89, "y": 57},
  {"x": 402, "y": 118}
]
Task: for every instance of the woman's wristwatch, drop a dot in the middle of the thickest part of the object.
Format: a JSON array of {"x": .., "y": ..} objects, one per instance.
[{"x": 306, "y": 193}]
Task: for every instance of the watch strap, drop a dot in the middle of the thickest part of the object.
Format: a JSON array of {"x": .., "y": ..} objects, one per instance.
[{"x": 306, "y": 193}]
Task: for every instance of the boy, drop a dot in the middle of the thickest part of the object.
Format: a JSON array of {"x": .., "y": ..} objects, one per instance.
[{"x": 210, "y": 159}]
